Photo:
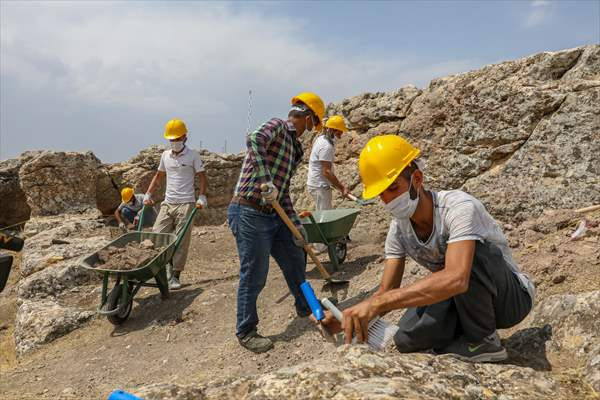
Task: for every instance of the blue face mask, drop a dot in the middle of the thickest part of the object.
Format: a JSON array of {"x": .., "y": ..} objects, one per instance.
[{"x": 403, "y": 207}]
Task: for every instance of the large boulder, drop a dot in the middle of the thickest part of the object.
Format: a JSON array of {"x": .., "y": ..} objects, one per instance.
[
  {"x": 39, "y": 322},
  {"x": 52, "y": 295},
  {"x": 13, "y": 203},
  {"x": 573, "y": 323},
  {"x": 64, "y": 182},
  {"x": 356, "y": 372},
  {"x": 563, "y": 328},
  {"x": 521, "y": 135}
]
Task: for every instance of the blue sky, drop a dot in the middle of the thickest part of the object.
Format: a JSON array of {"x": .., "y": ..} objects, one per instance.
[{"x": 106, "y": 76}]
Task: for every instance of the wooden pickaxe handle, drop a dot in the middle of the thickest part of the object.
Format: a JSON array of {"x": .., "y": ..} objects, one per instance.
[{"x": 282, "y": 214}]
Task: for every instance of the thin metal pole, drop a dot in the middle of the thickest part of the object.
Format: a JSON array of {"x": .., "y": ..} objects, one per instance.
[{"x": 249, "y": 110}]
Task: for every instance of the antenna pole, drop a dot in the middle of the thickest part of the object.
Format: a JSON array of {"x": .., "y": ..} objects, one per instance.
[{"x": 249, "y": 109}]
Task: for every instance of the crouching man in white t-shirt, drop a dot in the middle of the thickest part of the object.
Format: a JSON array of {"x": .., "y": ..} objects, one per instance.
[
  {"x": 180, "y": 165},
  {"x": 475, "y": 286}
]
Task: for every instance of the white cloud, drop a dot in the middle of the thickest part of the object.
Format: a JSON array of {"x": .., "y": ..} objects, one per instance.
[
  {"x": 540, "y": 12},
  {"x": 115, "y": 69}
]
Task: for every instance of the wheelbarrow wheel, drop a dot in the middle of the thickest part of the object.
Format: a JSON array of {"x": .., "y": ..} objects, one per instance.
[
  {"x": 113, "y": 302},
  {"x": 341, "y": 250}
]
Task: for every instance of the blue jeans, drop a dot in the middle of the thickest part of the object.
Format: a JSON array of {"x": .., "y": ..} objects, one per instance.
[
  {"x": 257, "y": 235},
  {"x": 128, "y": 215}
]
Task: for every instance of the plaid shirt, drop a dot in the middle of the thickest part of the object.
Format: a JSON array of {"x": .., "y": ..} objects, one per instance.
[{"x": 273, "y": 155}]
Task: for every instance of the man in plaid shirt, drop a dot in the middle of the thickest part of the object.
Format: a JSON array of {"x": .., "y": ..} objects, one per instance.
[{"x": 273, "y": 155}]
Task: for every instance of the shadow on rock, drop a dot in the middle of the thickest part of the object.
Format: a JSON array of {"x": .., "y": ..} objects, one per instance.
[
  {"x": 156, "y": 310},
  {"x": 527, "y": 348}
]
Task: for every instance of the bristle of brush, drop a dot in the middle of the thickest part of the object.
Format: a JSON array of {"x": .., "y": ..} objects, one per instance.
[{"x": 381, "y": 334}]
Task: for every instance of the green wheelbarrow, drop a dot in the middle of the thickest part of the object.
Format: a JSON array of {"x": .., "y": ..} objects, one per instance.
[
  {"x": 330, "y": 227},
  {"x": 117, "y": 303}
]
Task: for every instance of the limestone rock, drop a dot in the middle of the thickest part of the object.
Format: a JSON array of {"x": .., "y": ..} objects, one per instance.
[
  {"x": 13, "y": 204},
  {"x": 108, "y": 195},
  {"x": 80, "y": 231},
  {"x": 59, "y": 182},
  {"x": 357, "y": 372},
  {"x": 39, "y": 322},
  {"x": 521, "y": 135},
  {"x": 165, "y": 391},
  {"x": 49, "y": 270},
  {"x": 575, "y": 322}
]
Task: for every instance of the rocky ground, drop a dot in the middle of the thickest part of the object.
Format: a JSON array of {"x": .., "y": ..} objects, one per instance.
[{"x": 187, "y": 341}]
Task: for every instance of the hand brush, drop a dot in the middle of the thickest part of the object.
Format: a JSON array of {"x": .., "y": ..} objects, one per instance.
[{"x": 380, "y": 332}]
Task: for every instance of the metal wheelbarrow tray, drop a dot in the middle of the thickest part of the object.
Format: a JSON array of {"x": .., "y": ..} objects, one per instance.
[
  {"x": 330, "y": 227},
  {"x": 117, "y": 304}
]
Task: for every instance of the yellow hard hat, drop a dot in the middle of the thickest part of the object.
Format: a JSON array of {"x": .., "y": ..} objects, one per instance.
[
  {"x": 313, "y": 102},
  {"x": 174, "y": 129},
  {"x": 381, "y": 161},
  {"x": 336, "y": 122},
  {"x": 126, "y": 194}
]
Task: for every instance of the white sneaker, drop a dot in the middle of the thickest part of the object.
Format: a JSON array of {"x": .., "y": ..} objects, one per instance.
[{"x": 174, "y": 283}]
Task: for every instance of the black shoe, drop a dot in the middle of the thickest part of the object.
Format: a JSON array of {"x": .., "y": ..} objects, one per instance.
[
  {"x": 255, "y": 342},
  {"x": 488, "y": 350}
]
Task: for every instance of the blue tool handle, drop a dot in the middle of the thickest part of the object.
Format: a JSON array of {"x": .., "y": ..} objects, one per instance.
[
  {"x": 121, "y": 395},
  {"x": 311, "y": 299}
]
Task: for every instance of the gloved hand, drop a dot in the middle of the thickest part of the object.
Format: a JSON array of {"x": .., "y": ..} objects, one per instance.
[
  {"x": 271, "y": 194},
  {"x": 148, "y": 199},
  {"x": 300, "y": 242},
  {"x": 201, "y": 202},
  {"x": 122, "y": 226}
]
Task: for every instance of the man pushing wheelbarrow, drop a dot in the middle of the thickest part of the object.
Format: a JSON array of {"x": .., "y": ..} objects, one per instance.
[{"x": 180, "y": 165}]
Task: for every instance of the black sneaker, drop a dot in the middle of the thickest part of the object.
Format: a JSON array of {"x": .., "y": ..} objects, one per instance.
[
  {"x": 488, "y": 350},
  {"x": 255, "y": 342}
]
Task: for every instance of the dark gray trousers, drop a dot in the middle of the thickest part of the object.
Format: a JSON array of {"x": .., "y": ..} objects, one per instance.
[{"x": 495, "y": 299}]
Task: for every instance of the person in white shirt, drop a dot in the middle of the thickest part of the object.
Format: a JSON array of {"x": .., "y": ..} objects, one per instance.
[
  {"x": 321, "y": 177},
  {"x": 475, "y": 286},
  {"x": 180, "y": 165}
]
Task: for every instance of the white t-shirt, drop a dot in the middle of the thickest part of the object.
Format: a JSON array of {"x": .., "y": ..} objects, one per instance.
[
  {"x": 322, "y": 150},
  {"x": 181, "y": 171},
  {"x": 457, "y": 216}
]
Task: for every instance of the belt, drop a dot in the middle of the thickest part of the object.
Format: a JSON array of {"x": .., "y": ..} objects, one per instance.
[{"x": 266, "y": 209}]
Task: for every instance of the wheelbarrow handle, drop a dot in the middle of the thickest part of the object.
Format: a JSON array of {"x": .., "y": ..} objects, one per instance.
[
  {"x": 304, "y": 214},
  {"x": 352, "y": 197},
  {"x": 282, "y": 214},
  {"x": 141, "y": 219}
]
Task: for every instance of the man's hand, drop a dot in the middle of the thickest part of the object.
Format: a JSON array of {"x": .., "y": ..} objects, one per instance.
[
  {"x": 122, "y": 226},
  {"x": 345, "y": 191},
  {"x": 356, "y": 321},
  {"x": 300, "y": 242},
  {"x": 201, "y": 202},
  {"x": 148, "y": 199},
  {"x": 271, "y": 194},
  {"x": 329, "y": 322}
]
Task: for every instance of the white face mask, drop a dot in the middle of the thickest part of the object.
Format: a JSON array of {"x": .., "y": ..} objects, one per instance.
[
  {"x": 403, "y": 207},
  {"x": 306, "y": 131},
  {"x": 176, "y": 146}
]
